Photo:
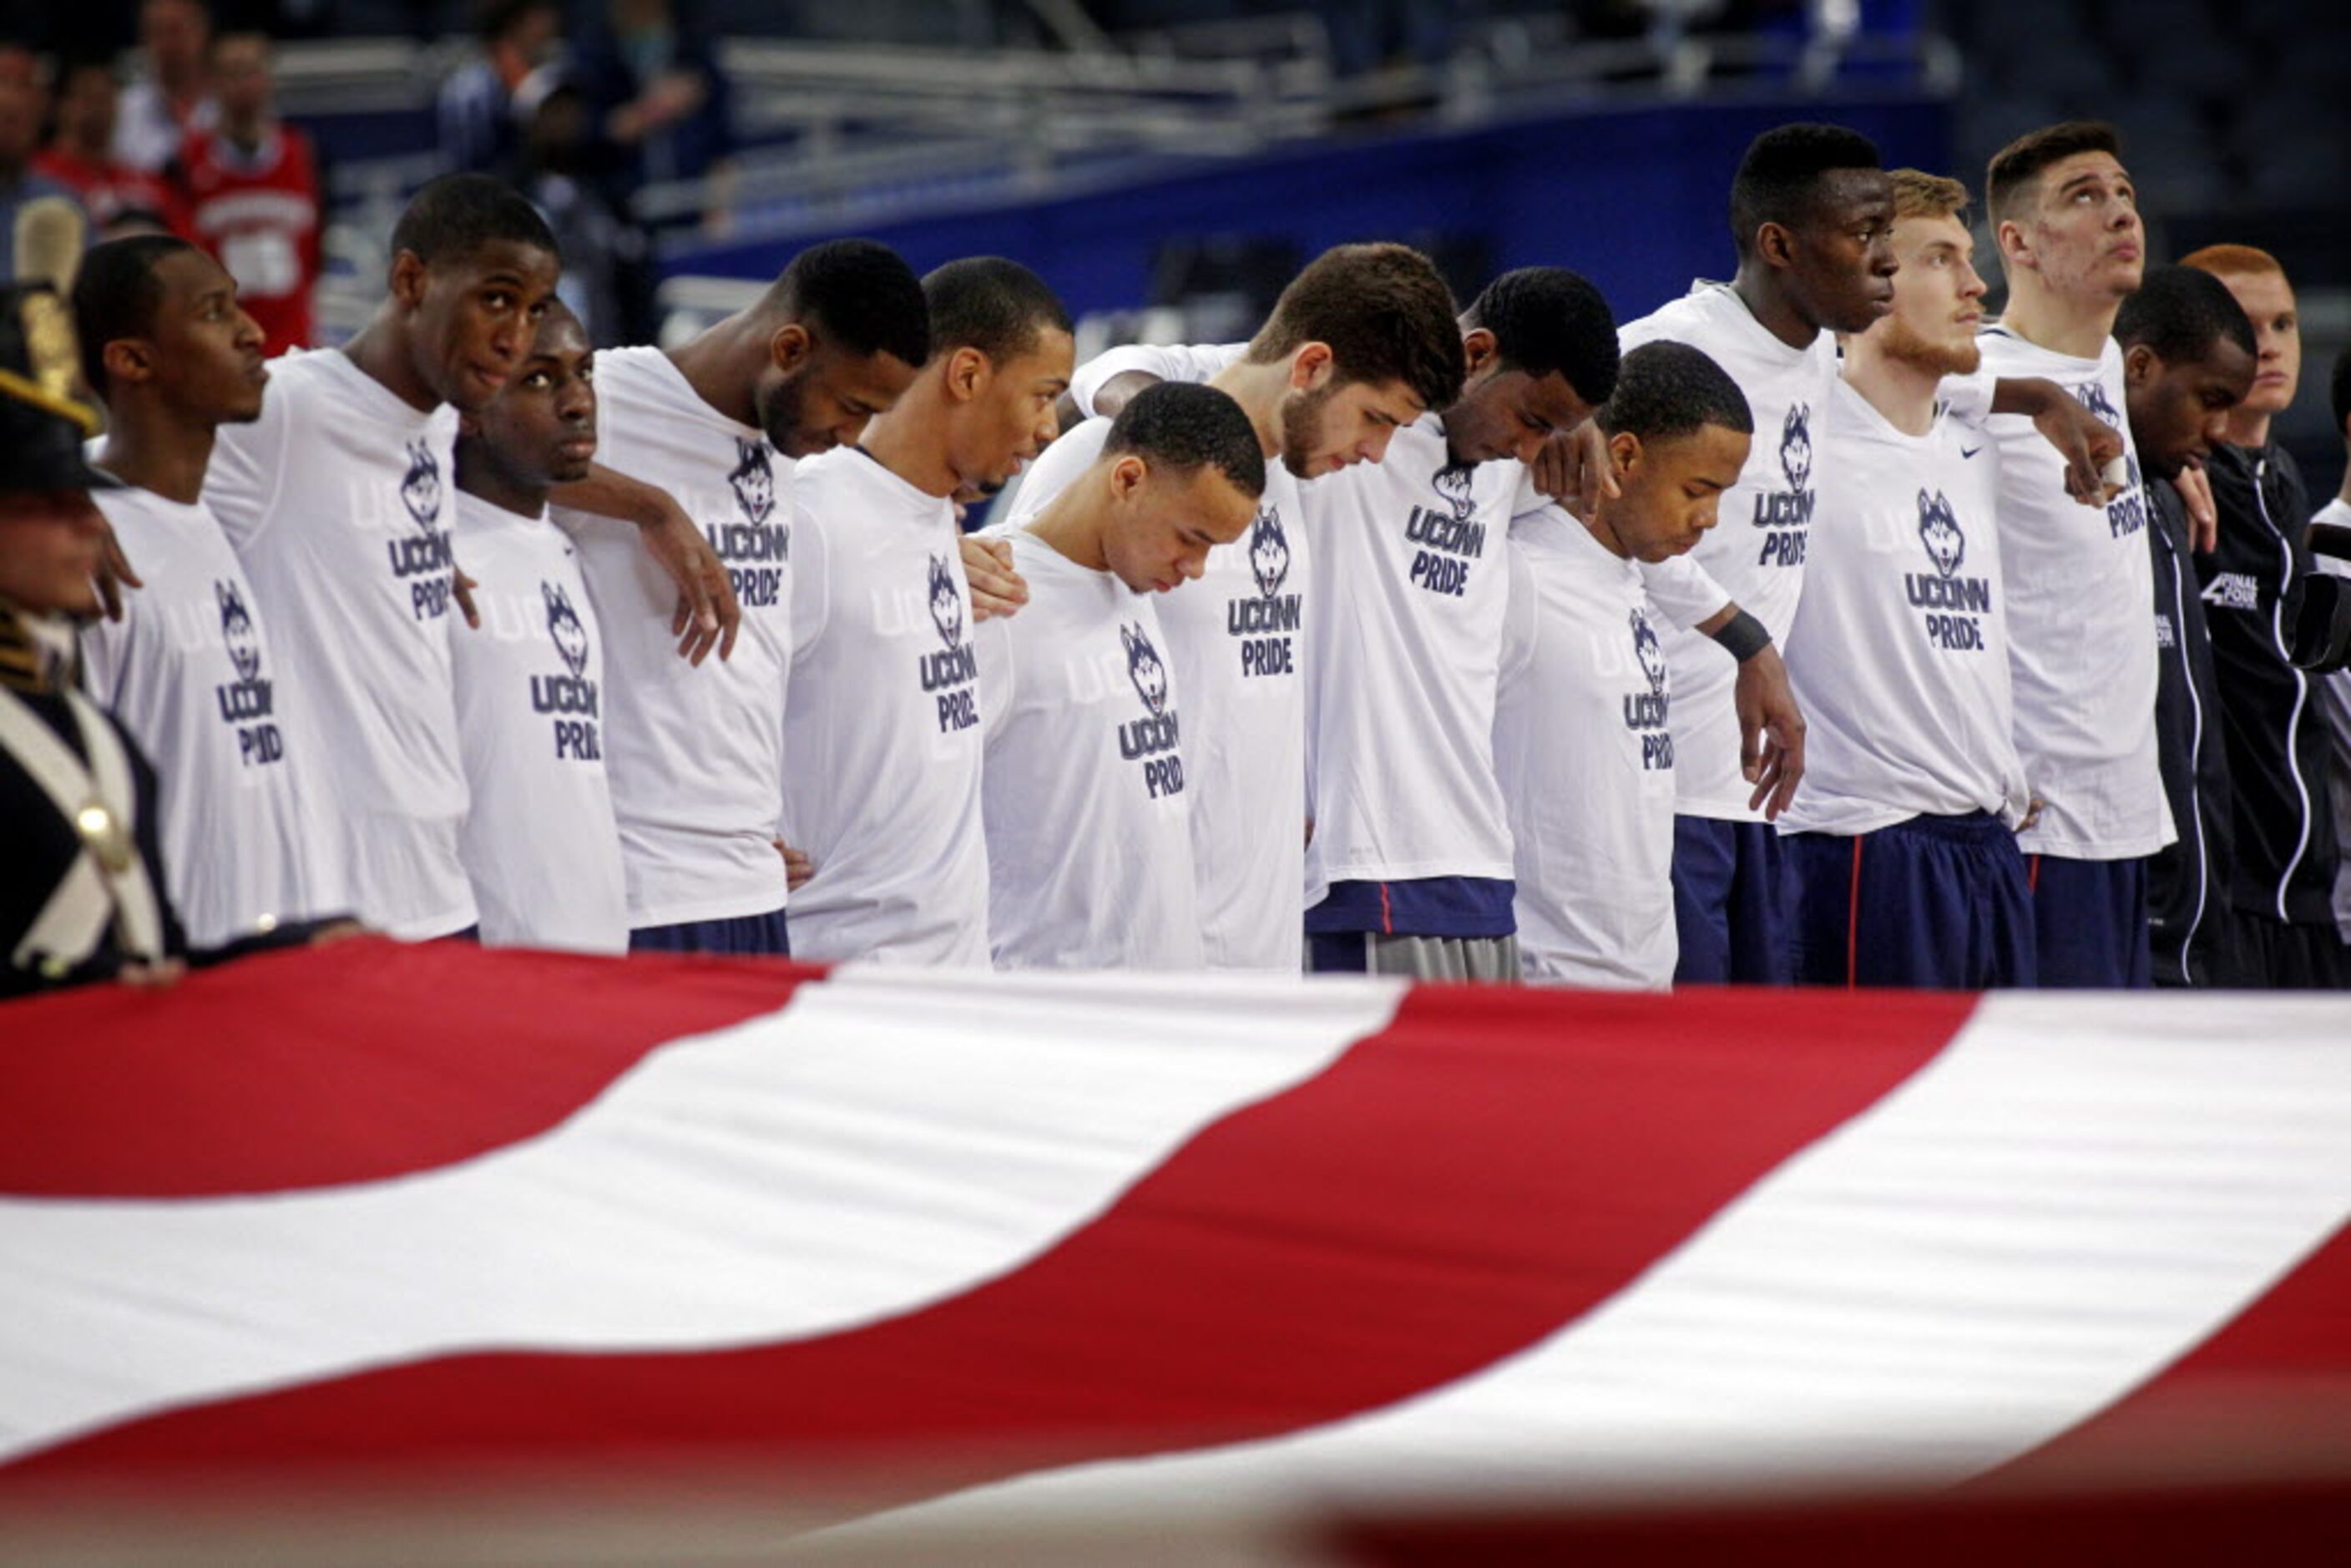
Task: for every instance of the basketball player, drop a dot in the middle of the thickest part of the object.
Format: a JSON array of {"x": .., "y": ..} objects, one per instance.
[
  {"x": 2332, "y": 525},
  {"x": 694, "y": 753},
  {"x": 881, "y": 731},
  {"x": 539, "y": 842},
  {"x": 1902, "y": 862},
  {"x": 1089, "y": 851},
  {"x": 1583, "y": 741},
  {"x": 2252, "y": 585},
  {"x": 1361, "y": 344},
  {"x": 191, "y": 669},
  {"x": 2188, "y": 358}
]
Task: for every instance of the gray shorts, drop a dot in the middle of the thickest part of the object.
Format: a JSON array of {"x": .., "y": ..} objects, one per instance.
[{"x": 1491, "y": 960}]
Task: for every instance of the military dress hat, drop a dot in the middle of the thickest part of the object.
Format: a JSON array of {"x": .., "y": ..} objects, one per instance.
[{"x": 43, "y": 420}]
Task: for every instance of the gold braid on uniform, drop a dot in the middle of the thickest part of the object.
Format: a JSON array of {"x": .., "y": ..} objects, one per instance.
[{"x": 36, "y": 652}]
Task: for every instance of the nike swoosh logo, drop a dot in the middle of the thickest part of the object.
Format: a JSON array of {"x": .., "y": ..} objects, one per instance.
[{"x": 1970, "y": 451}]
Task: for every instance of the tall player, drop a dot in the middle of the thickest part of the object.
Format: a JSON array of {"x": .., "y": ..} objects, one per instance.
[
  {"x": 1361, "y": 344},
  {"x": 538, "y": 841},
  {"x": 2334, "y": 519},
  {"x": 1089, "y": 851},
  {"x": 1583, "y": 743},
  {"x": 2253, "y": 584},
  {"x": 2072, "y": 249},
  {"x": 881, "y": 737},
  {"x": 2188, "y": 359},
  {"x": 1902, "y": 862},
  {"x": 694, "y": 753},
  {"x": 191, "y": 669},
  {"x": 335, "y": 501}
]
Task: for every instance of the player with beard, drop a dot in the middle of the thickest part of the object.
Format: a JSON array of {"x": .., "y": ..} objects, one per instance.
[
  {"x": 1362, "y": 343},
  {"x": 2188, "y": 357},
  {"x": 695, "y": 755},
  {"x": 540, "y": 842},
  {"x": 881, "y": 730},
  {"x": 2072, "y": 246},
  {"x": 1902, "y": 862},
  {"x": 1085, "y": 792},
  {"x": 2254, "y": 583},
  {"x": 191, "y": 669},
  {"x": 1582, "y": 739}
]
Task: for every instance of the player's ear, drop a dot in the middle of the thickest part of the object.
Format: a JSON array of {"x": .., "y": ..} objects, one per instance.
[
  {"x": 1624, "y": 452},
  {"x": 1127, "y": 475},
  {"x": 968, "y": 372},
  {"x": 790, "y": 345},
  {"x": 1479, "y": 346},
  {"x": 406, "y": 283},
  {"x": 2140, "y": 365},
  {"x": 2016, "y": 249},
  {"x": 127, "y": 360},
  {"x": 1310, "y": 367},
  {"x": 1774, "y": 245}
]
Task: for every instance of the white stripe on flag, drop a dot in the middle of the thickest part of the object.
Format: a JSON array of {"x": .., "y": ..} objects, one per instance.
[
  {"x": 888, "y": 1139},
  {"x": 2076, "y": 1193}
]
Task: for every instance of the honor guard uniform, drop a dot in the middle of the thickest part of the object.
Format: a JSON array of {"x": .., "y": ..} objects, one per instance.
[{"x": 83, "y": 898}]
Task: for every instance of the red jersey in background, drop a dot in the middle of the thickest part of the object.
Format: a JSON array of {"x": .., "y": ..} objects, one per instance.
[
  {"x": 260, "y": 214},
  {"x": 109, "y": 189}
]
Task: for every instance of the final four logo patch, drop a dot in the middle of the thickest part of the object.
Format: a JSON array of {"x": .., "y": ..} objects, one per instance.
[
  {"x": 1938, "y": 530},
  {"x": 420, "y": 491},
  {"x": 1650, "y": 652},
  {"x": 947, "y": 604},
  {"x": 1268, "y": 552},
  {"x": 236, "y": 631},
  {"x": 563, "y": 625},
  {"x": 1453, "y": 484},
  {"x": 1796, "y": 446},
  {"x": 754, "y": 480},
  {"x": 1143, "y": 667}
]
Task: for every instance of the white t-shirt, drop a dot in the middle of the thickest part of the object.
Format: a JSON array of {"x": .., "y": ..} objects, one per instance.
[
  {"x": 882, "y": 735},
  {"x": 1168, "y": 362},
  {"x": 1756, "y": 550},
  {"x": 1237, "y": 639},
  {"x": 191, "y": 673},
  {"x": 695, "y": 755},
  {"x": 1585, "y": 756},
  {"x": 2334, "y": 698},
  {"x": 337, "y": 503},
  {"x": 539, "y": 841},
  {"x": 1899, "y": 653},
  {"x": 2079, "y": 585},
  {"x": 1089, "y": 844},
  {"x": 1410, "y": 577}
]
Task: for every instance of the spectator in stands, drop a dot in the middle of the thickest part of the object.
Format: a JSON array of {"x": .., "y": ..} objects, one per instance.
[
  {"x": 659, "y": 94},
  {"x": 22, "y": 101},
  {"x": 606, "y": 282},
  {"x": 174, "y": 95},
  {"x": 80, "y": 154},
  {"x": 479, "y": 128},
  {"x": 254, "y": 197}
]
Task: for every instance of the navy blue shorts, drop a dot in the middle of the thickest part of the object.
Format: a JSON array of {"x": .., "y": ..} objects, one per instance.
[
  {"x": 739, "y": 933},
  {"x": 2091, "y": 916},
  {"x": 1935, "y": 902},
  {"x": 1727, "y": 903}
]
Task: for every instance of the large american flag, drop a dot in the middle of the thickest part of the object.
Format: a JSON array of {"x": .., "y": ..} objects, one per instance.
[{"x": 966, "y": 1246}]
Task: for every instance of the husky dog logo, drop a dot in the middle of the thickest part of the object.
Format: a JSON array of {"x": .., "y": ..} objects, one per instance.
[
  {"x": 236, "y": 631},
  {"x": 563, "y": 625},
  {"x": 1143, "y": 667},
  {"x": 420, "y": 491},
  {"x": 754, "y": 481},
  {"x": 1796, "y": 446},
  {"x": 1650, "y": 652},
  {"x": 2094, "y": 398},
  {"x": 1268, "y": 552},
  {"x": 947, "y": 604},
  {"x": 1453, "y": 484},
  {"x": 1938, "y": 530}
]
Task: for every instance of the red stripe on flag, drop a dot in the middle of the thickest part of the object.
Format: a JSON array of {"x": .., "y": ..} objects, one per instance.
[
  {"x": 357, "y": 1061},
  {"x": 1452, "y": 1190}
]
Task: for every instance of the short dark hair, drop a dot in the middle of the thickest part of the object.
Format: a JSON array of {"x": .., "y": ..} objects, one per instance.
[
  {"x": 991, "y": 304},
  {"x": 1186, "y": 426},
  {"x": 1665, "y": 390},
  {"x": 2180, "y": 312},
  {"x": 456, "y": 215},
  {"x": 115, "y": 294},
  {"x": 1546, "y": 320},
  {"x": 1781, "y": 170},
  {"x": 1384, "y": 311},
  {"x": 493, "y": 19},
  {"x": 859, "y": 293},
  {"x": 2338, "y": 389},
  {"x": 2016, "y": 168}
]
